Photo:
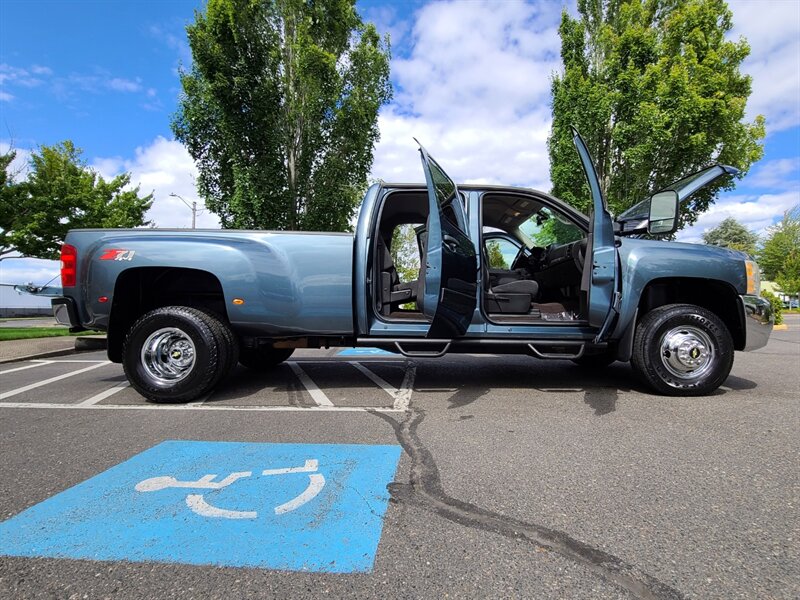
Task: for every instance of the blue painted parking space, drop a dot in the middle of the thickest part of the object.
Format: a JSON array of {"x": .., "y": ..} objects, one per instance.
[
  {"x": 364, "y": 352},
  {"x": 301, "y": 507}
]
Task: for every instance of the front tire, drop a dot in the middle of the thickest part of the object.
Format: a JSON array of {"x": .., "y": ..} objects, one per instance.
[
  {"x": 682, "y": 350},
  {"x": 173, "y": 354}
]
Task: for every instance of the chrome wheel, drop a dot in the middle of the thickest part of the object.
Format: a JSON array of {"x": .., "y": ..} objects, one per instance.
[
  {"x": 687, "y": 352},
  {"x": 168, "y": 355}
]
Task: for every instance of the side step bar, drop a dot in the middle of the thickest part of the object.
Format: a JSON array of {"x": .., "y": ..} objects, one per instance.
[
  {"x": 580, "y": 347},
  {"x": 426, "y": 348}
]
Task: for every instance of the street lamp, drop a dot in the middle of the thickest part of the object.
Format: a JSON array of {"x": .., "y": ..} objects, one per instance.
[{"x": 193, "y": 206}]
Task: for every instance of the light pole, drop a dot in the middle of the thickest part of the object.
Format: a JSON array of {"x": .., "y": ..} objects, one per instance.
[{"x": 193, "y": 206}]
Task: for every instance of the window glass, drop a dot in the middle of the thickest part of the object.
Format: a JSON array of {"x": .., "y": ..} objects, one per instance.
[
  {"x": 442, "y": 184},
  {"x": 405, "y": 252},
  {"x": 500, "y": 253},
  {"x": 546, "y": 227}
]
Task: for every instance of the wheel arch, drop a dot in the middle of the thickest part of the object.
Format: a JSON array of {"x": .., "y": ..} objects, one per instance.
[
  {"x": 719, "y": 297},
  {"x": 142, "y": 289}
]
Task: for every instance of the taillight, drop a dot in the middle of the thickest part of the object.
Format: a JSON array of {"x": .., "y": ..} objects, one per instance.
[{"x": 69, "y": 260}]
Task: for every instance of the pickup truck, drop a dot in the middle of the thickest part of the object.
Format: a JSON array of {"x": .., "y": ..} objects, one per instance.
[{"x": 182, "y": 307}]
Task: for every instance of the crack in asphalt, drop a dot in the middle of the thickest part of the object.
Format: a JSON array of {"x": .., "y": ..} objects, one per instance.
[{"x": 425, "y": 489}]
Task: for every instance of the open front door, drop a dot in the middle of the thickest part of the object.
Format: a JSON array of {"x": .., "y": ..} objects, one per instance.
[
  {"x": 449, "y": 281},
  {"x": 601, "y": 281}
]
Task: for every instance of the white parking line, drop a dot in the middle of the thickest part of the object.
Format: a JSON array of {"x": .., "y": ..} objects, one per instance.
[
  {"x": 104, "y": 394},
  {"x": 316, "y": 394},
  {"x": 72, "y": 360},
  {"x": 205, "y": 407},
  {"x": 33, "y": 386},
  {"x": 379, "y": 381},
  {"x": 38, "y": 363}
]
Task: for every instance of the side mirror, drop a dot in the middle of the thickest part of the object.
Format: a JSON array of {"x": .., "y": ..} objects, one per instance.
[{"x": 663, "y": 213}]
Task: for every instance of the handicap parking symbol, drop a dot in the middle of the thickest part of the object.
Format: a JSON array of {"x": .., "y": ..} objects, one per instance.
[{"x": 304, "y": 507}]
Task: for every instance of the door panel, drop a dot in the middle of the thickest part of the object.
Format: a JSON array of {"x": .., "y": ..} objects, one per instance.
[
  {"x": 602, "y": 282},
  {"x": 449, "y": 284}
]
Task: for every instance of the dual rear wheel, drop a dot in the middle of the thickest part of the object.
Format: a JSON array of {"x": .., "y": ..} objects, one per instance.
[{"x": 179, "y": 354}]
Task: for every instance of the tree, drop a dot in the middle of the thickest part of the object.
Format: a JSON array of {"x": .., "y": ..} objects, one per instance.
[
  {"x": 732, "y": 234},
  {"x": 779, "y": 257},
  {"x": 495, "y": 256},
  {"x": 788, "y": 279},
  {"x": 8, "y": 200},
  {"x": 655, "y": 88},
  {"x": 280, "y": 110},
  {"x": 61, "y": 193}
]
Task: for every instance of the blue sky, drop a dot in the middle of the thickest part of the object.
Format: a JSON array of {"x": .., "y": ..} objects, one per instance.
[{"x": 471, "y": 81}]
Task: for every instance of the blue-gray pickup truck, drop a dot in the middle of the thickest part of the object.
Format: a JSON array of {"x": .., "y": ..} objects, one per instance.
[{"x": 500, "y": 270}]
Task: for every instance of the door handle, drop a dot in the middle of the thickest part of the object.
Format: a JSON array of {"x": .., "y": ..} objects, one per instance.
[{"x": 450, "y": 242}]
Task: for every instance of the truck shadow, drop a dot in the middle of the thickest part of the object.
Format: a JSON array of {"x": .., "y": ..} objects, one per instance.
[
  {"x": 599, "y": 389},
  {"x": 458, "y": 380}
]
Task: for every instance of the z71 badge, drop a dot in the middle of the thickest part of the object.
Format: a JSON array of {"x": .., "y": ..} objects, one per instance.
[{"x": 117, "y": 254}]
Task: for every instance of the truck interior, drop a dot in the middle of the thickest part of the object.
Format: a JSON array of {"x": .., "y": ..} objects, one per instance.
[{"x": 532, "y": 259}]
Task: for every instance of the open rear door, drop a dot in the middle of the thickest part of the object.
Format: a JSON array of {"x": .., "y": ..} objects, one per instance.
[
  {"x": 449, "y": 284},
  {"x": 601, "y": 281}
]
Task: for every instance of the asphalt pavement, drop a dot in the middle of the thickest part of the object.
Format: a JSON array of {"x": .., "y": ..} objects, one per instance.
[{"x": 516, "y": 478}]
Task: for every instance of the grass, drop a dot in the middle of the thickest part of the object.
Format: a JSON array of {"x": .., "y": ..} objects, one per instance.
[{"x": 25, "y": 333}]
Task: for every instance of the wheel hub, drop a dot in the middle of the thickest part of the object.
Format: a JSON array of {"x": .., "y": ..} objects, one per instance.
[
  {"x": 687, "y": 352},
  {"x": 168, "y": 355}
]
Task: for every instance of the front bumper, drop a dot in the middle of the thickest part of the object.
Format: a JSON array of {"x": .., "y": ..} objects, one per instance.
[{"x": 758, "y": 321}]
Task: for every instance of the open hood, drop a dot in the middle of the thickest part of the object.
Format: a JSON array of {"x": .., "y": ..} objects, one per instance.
[{"x": 639, "y": 218}]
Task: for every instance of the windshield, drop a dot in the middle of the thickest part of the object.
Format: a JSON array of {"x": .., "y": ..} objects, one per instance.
[{"x": 546, "y": 227}]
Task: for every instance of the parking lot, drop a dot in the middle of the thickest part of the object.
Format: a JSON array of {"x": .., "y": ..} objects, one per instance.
[{"x": 515, "y": 478}]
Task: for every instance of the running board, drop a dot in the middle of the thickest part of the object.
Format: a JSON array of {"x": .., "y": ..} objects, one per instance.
[
  {"x": 580, "y": 346},
  {"x": 423, "y": 353}
]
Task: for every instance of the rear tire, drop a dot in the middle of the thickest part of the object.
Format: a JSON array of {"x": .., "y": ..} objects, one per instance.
[
  {"x": 174, "y": 354},
  {"x": 682, "y": 350},
  {"x": 264, "y": 358},
  {"x": 226, "y": 342}
]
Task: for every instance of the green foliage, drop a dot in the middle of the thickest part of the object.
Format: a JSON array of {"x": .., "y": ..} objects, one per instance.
[
  {"x": 776, "y": 303},
  {"x": 732, "y": 234},
  {"x": 280, "y": 110},
  {"x": 789, "y": 277},
  {"x": 495, "y": 255},
  {"x": 405, "y": 252},
  {"x": 60, "y": 193},
  {"x": 778, "y": 255},
  {"x": 655, "y": 87},
  {"x": 25, "y": 333}
]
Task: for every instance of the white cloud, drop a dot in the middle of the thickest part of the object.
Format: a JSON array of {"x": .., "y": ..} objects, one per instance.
[
  {"x": 755, "y": 212},
  {"x": 18, "y": 271},
  {"x": 10, "y": 75},
  {"x": 164, "y": 167},
  {"x": 41, "y": 70},
  {"x": 479, "y": 102},
  {"x": 5, "y": 97},
  {"x": 18, "y": 168},
  {"x": 781, "y": 173},
  {"x": 773, "y": 31},
  {"x": 119, "y": 84}
]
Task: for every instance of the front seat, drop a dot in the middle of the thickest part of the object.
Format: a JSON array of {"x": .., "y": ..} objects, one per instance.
[{"x": 512, "y": 297}]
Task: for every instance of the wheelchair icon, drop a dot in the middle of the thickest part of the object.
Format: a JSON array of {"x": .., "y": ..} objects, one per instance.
[{"x": 199, "y": 505}]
